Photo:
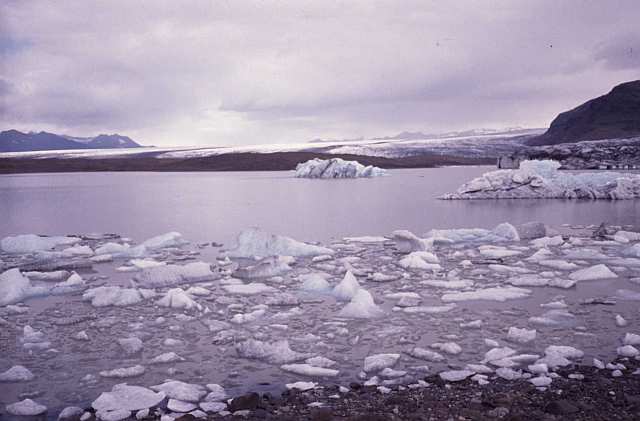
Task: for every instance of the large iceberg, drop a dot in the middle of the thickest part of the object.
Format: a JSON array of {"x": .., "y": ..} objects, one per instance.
[
  {"x": 336, "y": 168},
  {"x": 542, "y": 180}
]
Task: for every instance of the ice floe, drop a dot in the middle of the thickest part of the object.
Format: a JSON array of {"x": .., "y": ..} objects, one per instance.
[
  {"x": 361, "y": 306},
  {"x": 256, "y": 242},
  {"x": 336, "y": 168},
  {"x": 116, "y": 296},
  {"x": 542, "y": 180}
]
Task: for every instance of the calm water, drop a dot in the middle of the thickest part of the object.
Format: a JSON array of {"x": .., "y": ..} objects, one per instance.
[{"x": 216, "y": 206}]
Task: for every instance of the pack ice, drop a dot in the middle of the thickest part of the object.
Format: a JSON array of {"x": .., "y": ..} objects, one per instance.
[
  {"x": 336, "y": 168},
  {"x": 542, "y": 180}
]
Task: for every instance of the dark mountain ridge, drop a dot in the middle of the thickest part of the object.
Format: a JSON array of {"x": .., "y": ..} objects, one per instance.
[
  {"x": 17, "y": 141},
  {"x": 610, "y": 116}
]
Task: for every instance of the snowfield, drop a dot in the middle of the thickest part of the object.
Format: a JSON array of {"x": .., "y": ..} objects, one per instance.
[
  {"x": 336, "y": 168},
  {"x": 543, "y": 180},
  {"x": 166, "y": 327}
]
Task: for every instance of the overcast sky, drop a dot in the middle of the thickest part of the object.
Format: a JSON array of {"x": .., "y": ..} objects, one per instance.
[{"x": 240, "y": 72}]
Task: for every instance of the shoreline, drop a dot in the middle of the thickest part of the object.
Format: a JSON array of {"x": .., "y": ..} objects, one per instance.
[{"x": 277, "y": 161}]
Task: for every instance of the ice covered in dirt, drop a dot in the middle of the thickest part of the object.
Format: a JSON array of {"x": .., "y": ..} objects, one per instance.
[
  {"x": 543, "y": 180},
  {"x": 336, "y": 168}
]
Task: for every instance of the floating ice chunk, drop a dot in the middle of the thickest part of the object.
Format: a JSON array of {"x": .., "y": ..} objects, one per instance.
[
  {"x": 77, "y": 251},
  {"x": 565, "y": 351},
  {"x": 422, "y": 260},
  {"x": 633, "y": 251},
  {"x": 198, "y": 291},
  {"x": 175, "y": 389},
  {"x": 377, "y": 362},
  {"x": 497, "y": 252},
  {"x": 146, "y": 263},
  {"x": 502, "y": 232},
  {"x": 366, "y": 239},
  {"x": 591, "y": 273},
  {"x": 267, "y": 267},
  {"x": 492, "y": 294},
  {"x": 250, "y": 317},
  {"x": 168, "y": 275},
  {"x": 508, "y": 269},
  {"x": 541, "y": 179},
  {"x": 81, "y": 336},
  {"x": 116, "y": 415},
  {"x": 73, "y": 284},
  {"x": 124, "y": 372},
  {"x": 495, "y": 354},
  {"x": 508, "y": 373},
  {"x": 448, "y": 347},
  {"x": 131, "y": 398},
  {"x": 216, "y": 393},
  {"x": 165, "y": 358},
  {"x": 584, "y": 254},
  {"x": 178, "y": 298},
  {"x": 554, "y": 317},
  {"x": 177, "y": 405},
  {"x": 547, "y": 241},
  {"x": 116, "y": 296},
  {"x": 521, "y": 336},
  {"x": 170, "y": 239},
  {"x": 542, "y": 254},
  {"x": 31, "y": 243},
  {"x": 448, "y": 284},
  {"x": 309, "y": 370},
  {"x": 620, "y": 321},
  {"x": 17, "y": 373},
  {"x": 430, "y": 309},
  {"x": 256, "y": 242},
  {"x": 631, "y": 339},
  {"x": 628, "y": 235},
  {"x": 248, "y": 289},
  {"x": 70, "y": 413},
  {"x": 320, "y": 362},
  {"x": 26, "y": 407},
  {"x": 425, "y": 354},
  {"x": 301, "y": 386},
  {"x": 57, "y": 275},
  {"x": 347, "y": 288},
  {"x": 407, "y": 242},
  {"x": 361, "y": 306},
  {"x": 336, "y": 168},
  {"x": 532, "y": 230},
  {"x": 455, "y": 375},
  {"x": 131, "y": 345},
  {"x": 474, "y": 324},
  {"x": 628, "y": 351},
  {"x": 15, "y": 287},
  {"x": 272, "y": 352},
  {"x": 558, "y": 264}
]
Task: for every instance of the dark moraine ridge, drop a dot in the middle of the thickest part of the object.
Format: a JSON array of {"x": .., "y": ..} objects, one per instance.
[{"x": 278, "y": 161}]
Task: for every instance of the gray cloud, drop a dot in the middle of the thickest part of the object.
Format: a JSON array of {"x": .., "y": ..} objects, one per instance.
[{"x": 201, "y": 72}]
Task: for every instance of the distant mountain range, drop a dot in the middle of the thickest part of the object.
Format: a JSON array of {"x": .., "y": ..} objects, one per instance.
[
  {"x": 16, "y": 141},
  {"x": 614, "y": 115}
]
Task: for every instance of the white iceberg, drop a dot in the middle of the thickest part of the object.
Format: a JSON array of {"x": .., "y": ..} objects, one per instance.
[
  {"x": 26, "y": 407},
  {"x": 542, "y": 180},
  {"x": 272, "y": 352},
  {"x": 502, "y": 232},
  {"x": 309, "y": 370},
  {"x": 168, "y": 275},
  {"x": 179, "y": 298},
  {"x": 116, "y": 296},
  {"x": 592, "y": 273},
  {"x": 491, "y": 294},
  {"x": 15, "y": 287},
  {"x": 131, "y": 398},
  {"x": 17, "y": 373},
  {"x": 336, "y": 168},
  {"x": 361, "y": 306},
  {"x": 347, "y": 288},
  {"x": 254, "y": 242},
  {"x": 31, "y": 243}
]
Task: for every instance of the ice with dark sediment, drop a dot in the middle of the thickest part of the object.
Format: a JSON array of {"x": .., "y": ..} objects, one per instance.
[{"x": 543, "y": 180}]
